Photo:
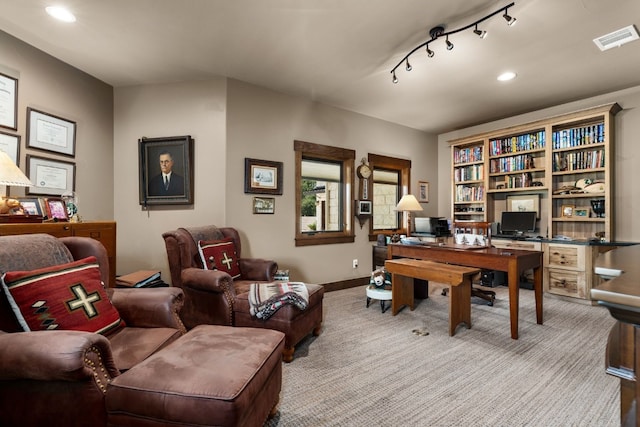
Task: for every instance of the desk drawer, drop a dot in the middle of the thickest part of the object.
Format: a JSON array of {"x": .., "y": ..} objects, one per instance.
[
  {"x": 565, "y": 256},
  {"x": 517, "y": 244},
  {"x": 566, "y": 283}
]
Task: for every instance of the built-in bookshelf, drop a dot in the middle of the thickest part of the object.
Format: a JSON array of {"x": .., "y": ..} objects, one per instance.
[
  {"x": 468, "y": 178},
  {"x": 564, "y": 160}
]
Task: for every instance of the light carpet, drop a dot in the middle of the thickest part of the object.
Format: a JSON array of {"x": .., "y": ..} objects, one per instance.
[{"x": 369, "y": 369}]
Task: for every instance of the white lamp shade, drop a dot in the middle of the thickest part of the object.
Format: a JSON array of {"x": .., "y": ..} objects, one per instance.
[
  {"x": 10, "y": 173},
  {"x": 408, "y": 203}
]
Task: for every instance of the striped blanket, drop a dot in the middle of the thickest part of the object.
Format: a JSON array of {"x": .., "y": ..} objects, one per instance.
[{"x": 267, "y": 298}]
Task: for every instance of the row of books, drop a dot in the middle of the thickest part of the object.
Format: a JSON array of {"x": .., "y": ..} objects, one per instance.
[
  {"x": 141, "y": 279},
  {"x": 578, "y": 160},
  {"x": 469, "y": 173},
  {"x": 467, "y": 155},
  {"x": 473, "y": 193},
  {"x": 576, "y": 137},
  {"x": 518, "y": 181},
  {"x": 512, "y": 163},
  {"x": 514, "y": 144}
]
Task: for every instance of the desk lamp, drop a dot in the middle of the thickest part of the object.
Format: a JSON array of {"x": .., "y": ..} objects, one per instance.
[
  {"x": 408, "y": 203},
  {"x": 10, "y": 174}
]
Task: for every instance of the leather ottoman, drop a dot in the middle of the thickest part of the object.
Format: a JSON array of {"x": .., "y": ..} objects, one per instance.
[{"x": 211, "y": 376}]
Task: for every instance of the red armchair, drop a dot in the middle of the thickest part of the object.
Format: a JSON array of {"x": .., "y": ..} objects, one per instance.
[
  {"x": 45, "y": 376},
  {"x": 213, "y": 297}
]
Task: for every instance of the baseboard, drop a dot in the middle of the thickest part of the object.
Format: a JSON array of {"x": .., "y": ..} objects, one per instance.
[{"x": 345, "y": 284}]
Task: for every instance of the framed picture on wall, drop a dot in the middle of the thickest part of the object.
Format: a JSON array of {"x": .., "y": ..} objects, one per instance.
[
  {"x": 524, "y": 202},
  {"x": 423, "y": 191},
  {"x": 53, "y": 177},
  {"x": 8, "y": 102},
  {"x": 50, "y": 133},
  {"x": 10, "y": 144},
  {"x": 166, "y": 170},
  {"x": 262, "y": 176}
]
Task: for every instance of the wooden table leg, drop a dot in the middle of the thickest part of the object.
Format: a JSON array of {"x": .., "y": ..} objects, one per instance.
[
  {"x": 537, "y": 290},
  {"x": 460, "y": 306},
  {"x": 401, "y": 293},
  {"x": 513, "y": 277}
]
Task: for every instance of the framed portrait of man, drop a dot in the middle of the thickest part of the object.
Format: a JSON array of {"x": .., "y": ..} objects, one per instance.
[{"x": 166, "y": 170}]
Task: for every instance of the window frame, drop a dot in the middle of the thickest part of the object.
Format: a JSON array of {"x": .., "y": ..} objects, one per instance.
[
  {"x": 346, "y": 158},
  {"x": 403, "y": 166}
]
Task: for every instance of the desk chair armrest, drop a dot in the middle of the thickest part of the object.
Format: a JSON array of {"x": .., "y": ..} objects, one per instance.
[{"x": 55, "y": 356}]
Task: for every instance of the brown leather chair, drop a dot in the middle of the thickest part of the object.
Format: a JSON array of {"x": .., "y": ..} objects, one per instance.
[
  {"x": 213, "y": 297},
  {"x": 61, "y": 377}
]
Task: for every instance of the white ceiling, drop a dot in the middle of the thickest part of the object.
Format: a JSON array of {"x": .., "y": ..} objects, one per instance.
[{"x": 340, "y": 52}]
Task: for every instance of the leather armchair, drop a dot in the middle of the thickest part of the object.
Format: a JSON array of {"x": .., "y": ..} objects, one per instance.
[
  {"x": 46, "y": 376},
  {"x": 213, "y": 297}
]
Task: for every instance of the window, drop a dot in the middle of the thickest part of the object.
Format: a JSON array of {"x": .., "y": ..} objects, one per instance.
[
  {"x": 324, "y": 183},
  {"x": 391, "y": 177}
]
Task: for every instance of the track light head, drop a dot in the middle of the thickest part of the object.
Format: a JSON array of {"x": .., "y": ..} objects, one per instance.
[
  {"x": 449, "y": 44},
  {"x": 394, "y": 78},
  {"x": 480, "y": 33},
  {"x": 430, "y": 53},
  {"x": 510, "y": 19},
  {"x": 409, "y": 67}
]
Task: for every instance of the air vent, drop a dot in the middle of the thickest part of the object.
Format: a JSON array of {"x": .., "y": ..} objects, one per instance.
[{"x": 617, "y": 38}]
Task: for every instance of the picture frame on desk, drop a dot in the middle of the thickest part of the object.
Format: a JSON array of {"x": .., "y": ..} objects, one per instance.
[
  {"x": 31, "y": 205},
  {"x": 50, "y": 133},
  {"x": 52, "y": 177},
  {"x": 56, "y": 209}
]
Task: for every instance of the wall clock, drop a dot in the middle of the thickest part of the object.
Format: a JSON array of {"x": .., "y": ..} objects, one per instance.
[{"x": 364, "y": 174}]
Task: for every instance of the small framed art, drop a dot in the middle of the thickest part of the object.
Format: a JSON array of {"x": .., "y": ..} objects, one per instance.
[
  {"x": 31, "y": 205},
  {"x": 567, "y": 211},
  {"x": 581, "y": 212},
  {"x": 50, "y": 133},
  {"x": 262, "y": 176},
  {"x": 56, "y": 209},
  {"x": 524, "y": 202},
  {"x": 423, "y": 192},
  {"x": 264, "y": 205}
]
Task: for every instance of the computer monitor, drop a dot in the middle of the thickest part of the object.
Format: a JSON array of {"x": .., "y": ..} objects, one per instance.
[{"x": 518, "y": 222}]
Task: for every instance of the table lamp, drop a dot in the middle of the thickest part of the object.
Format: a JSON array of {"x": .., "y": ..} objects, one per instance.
[
  {"x": 408, "y": 203},
  {"x": 10, "y": 174}
]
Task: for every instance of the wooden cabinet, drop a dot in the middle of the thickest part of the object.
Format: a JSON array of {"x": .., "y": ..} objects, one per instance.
[
  {"x": 103, "y": 231},
  {"x": 568, "y": 270}
]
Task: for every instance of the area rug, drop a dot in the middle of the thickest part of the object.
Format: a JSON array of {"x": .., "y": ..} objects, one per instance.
[{"x": 369, "y": 368}]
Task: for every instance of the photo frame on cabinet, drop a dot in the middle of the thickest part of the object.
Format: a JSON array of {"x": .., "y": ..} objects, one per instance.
[
  {"x": 423, "y": 192},
  {"x": 31, "y": 205},
  {"x": 264, "y": 205},
  {"x": 10, "y": 144},
  {"x": 567, "y": 211},
  {"x": 159, "y": 157},
  {"x": 50, "y": 133},
  {"x": 262, "y": 177},
  {"x": 52, "y": 177},
  {"x": 8, "y": 102},
  {"x": 56, "y": 209},
  {"x": 524, "y": 202},
  {"x": 581, "y": 212}
]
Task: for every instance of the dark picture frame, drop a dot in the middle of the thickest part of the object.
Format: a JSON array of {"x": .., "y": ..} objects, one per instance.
[
  {"x": 31, "y": 205},
  {"x": 10, "y": 144},
  {"x": 262, "y": 177},
  {"x": 50, "y": 176},
  {"x": 8, "y": 102},
  {"x": 264, "y": 205},
  {"x": 176, "y": 152},
  {"x": 56, "y": 209},
  {"x": 48, "y": 132}
]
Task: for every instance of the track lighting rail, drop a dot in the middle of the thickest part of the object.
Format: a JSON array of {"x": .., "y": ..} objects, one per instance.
[{"x": 438, "y": 32}]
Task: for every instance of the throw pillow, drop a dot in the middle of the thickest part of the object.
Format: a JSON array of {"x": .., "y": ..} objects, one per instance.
[
  {"x": 220, "y": 255},
  {"x": 68, "y": 296}
]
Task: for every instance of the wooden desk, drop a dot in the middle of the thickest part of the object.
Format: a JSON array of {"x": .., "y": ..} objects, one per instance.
[
  {"x": 513, "y": 261},
  {"x": 621, "y": 296},
  {"x": 457, "y": 276}
]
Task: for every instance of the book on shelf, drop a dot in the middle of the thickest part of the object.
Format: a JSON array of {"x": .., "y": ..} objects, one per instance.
[{"x": 140, "y": 279}]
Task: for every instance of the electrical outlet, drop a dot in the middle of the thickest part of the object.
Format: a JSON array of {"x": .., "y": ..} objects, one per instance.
[{"x": 355, "y": 263}]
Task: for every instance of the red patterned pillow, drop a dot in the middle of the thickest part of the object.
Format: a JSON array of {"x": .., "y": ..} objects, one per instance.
[
  {"x": 69, "y": 296},
  {"x": 220, "y": 255}
]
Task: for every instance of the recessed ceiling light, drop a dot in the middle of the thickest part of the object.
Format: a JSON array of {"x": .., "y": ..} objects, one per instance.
[
  {"x": 61, "y": 13},
  {"x": 509, "y": 75}
]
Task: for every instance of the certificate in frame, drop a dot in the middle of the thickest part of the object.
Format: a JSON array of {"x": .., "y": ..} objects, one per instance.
[
  {"x": 50, "y": 133},
  {"x": 8, "y": 102},
  {"x": 10, "y": 144},
  {"x": 52, "y": 177}
]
